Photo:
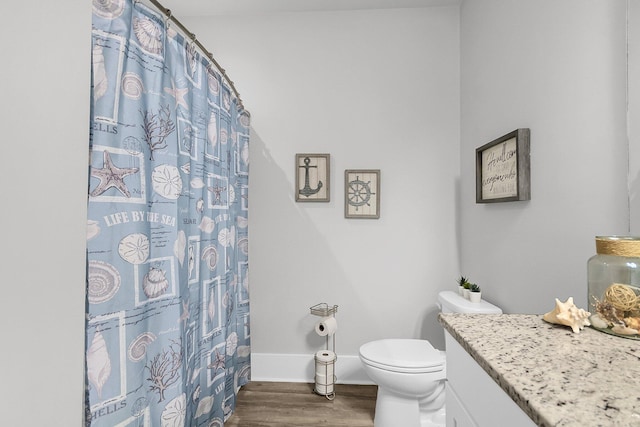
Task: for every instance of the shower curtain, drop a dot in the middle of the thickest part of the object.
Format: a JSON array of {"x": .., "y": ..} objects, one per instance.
[{"x": 167, "y": 328}]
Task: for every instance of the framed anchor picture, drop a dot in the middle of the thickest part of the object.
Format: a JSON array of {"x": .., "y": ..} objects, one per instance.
[
  {"x": 312, "y": 177},
  {"x": 362, "y": 193}
]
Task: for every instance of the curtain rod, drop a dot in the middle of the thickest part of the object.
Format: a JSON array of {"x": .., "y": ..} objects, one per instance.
[{"x": 167, "y": 13}]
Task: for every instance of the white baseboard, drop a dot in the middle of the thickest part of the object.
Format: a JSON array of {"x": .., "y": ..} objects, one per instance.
[{"x": 300, "y": 368}]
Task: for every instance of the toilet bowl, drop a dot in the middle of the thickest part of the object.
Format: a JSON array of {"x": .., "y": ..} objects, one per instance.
[{"x": 411, "y": 373}]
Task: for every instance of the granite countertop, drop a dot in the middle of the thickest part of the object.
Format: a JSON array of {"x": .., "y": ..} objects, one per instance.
[{"x": 557, "y": 377}]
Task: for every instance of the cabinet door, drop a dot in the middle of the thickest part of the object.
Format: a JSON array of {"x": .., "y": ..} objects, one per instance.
[
  {"x": 485, "y": 403},
  {"x": 457, "y": 415}
]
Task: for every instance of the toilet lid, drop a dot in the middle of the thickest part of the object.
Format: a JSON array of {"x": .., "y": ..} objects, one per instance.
[{"x": 403, "y": 355}]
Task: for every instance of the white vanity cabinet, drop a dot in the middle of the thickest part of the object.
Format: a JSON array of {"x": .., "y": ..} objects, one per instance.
[{"x": 473, "y": 397}]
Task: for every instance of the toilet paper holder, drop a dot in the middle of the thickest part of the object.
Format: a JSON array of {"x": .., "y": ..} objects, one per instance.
[
  {"x": 323, "y": 309},
  {"x": 325, "y": 377}
]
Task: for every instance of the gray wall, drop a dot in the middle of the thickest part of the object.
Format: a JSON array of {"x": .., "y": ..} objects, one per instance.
[
  {"x": 634, "y": 116},
  {"x": 558, "y": 68},
  {"x": 375, "y": 89},
  {"x": 44, "y": 118}
]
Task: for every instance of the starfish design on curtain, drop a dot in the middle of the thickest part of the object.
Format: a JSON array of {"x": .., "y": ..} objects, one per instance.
[
  {"x": 178, "y": 94},
  {"x": 111, "y": 176},
  {"x": 218, "y": 363}
]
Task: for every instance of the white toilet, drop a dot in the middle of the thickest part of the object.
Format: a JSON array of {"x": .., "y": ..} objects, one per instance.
[{"x": 410, "y": 373}]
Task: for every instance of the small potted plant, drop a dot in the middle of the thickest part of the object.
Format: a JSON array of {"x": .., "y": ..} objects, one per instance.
[
  {"x": 462, "y": 281},
  {"x": 467, "y": 289},
  {"x": 474, "y": 293}
]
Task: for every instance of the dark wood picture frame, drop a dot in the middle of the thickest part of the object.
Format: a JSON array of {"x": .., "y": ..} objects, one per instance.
[
  {"x": 313, "y": 176},
  {"x": 503, "y": 169},
  {"x": 362, "y": 193}
]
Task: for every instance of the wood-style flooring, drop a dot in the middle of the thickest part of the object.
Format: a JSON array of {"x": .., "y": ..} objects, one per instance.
[{"x": 272, "y": 404}]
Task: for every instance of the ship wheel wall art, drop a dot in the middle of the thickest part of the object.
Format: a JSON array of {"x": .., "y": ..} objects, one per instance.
[
  {"x": 362, "y": 193},
  {"x": 312, "y": 177}
]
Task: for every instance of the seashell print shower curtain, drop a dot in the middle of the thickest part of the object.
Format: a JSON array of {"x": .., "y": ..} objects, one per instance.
[{"x": 167, "y": 329}]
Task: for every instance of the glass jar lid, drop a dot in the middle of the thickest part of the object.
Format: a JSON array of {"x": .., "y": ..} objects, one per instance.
[{"x": 627, "y": 246}]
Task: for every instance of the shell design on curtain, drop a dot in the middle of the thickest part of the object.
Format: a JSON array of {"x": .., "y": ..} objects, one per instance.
[{"x": 167, "y": 330}]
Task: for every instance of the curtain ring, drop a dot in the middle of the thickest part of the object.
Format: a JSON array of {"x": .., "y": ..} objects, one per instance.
[{"x": 167, "y": 22}]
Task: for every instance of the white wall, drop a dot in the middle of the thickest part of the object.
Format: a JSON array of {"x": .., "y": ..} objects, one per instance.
[
  {"x": 634, "y": 117},
  {"x": 559, "y": 69},
  {"x": 44, "y": 118},
  {"x": 375, "y": 89}
]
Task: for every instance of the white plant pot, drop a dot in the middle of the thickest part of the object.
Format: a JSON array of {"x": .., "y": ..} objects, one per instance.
[
  {"x": 461, "y": 291},
  {"x": 475, "y": 296},
  {"x": 466, "y": 293}
]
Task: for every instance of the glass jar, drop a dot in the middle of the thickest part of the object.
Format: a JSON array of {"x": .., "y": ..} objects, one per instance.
[{"x": 614, "y": 286}]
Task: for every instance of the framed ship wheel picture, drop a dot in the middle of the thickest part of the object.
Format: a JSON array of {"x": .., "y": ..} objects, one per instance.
[{"x": 362, "y": 193}]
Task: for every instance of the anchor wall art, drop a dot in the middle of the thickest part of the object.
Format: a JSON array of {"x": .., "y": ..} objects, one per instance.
[
  {"x": 167, "y": 329},
  {"x": 312, "y": 177}
]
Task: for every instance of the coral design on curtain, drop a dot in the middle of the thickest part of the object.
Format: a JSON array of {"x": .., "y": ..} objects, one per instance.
[{"x": 167, "y": 330}]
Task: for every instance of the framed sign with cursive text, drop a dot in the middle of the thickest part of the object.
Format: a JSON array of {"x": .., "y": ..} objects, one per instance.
[
  {"x": 312, "y": 177},
  {"x": 503, "y": 169}
]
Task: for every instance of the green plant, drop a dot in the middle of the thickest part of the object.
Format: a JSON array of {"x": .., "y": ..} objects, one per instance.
[
  {"x": 462, "y": 281},
  {"x": 474, "y": 288}
]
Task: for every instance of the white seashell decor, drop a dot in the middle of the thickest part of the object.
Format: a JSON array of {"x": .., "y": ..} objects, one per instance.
[
  {"x": 155, "y": 283},
  {"x": 98, "y": 363},
  {"x": 148, "y": 34},
  {"x": 566, "y": 313}
]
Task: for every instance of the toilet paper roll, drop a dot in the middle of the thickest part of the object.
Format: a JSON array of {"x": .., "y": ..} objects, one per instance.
[
  {"x": 324, "y": 389},
  {"x": 325, "y": 367},
  {"x": 327, "y": 326},
  {"x": 324, "y": 380},
  {"x": 325, "y": 356},
  {"x": 325, "y": 371}
]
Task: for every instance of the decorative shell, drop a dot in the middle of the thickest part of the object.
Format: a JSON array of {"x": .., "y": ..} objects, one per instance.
[
  {"x": 632, "y": 322},
  {"x": 155, "y": 283},
  {"x": 103, "y": 281},
  {"x": 624, "y": 330},
  {"x": 175, "y": 412},
  {"x": 132, "y": 86},
  {"x": 566, "y": 313},
  {"x": 210, "y": 257},
  {"x": 98, "y": 363},
  {"x": 607, "y": 312},
  {"x": 100, "y": 80},
  {"x": 180, "y": 246},
  {"x": 166, "y": 181},
  {"x": 108, "y": 9},
  {"x": 138, "y": 347},
  {"x": 598, "y": 322},
  {"x": 207, "y": 225},
  {"x": 148, "y": 34},
  {"x": 134, "y": 248}
]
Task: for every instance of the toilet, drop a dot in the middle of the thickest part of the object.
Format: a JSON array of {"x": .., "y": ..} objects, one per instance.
[{"x": 411, "y": 373}]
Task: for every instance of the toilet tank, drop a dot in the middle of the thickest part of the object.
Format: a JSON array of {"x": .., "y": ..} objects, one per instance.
[{"x": 452, "y": 302}]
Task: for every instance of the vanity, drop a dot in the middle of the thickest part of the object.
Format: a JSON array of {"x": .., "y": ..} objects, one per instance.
[{"x": 518, "y": 370}]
